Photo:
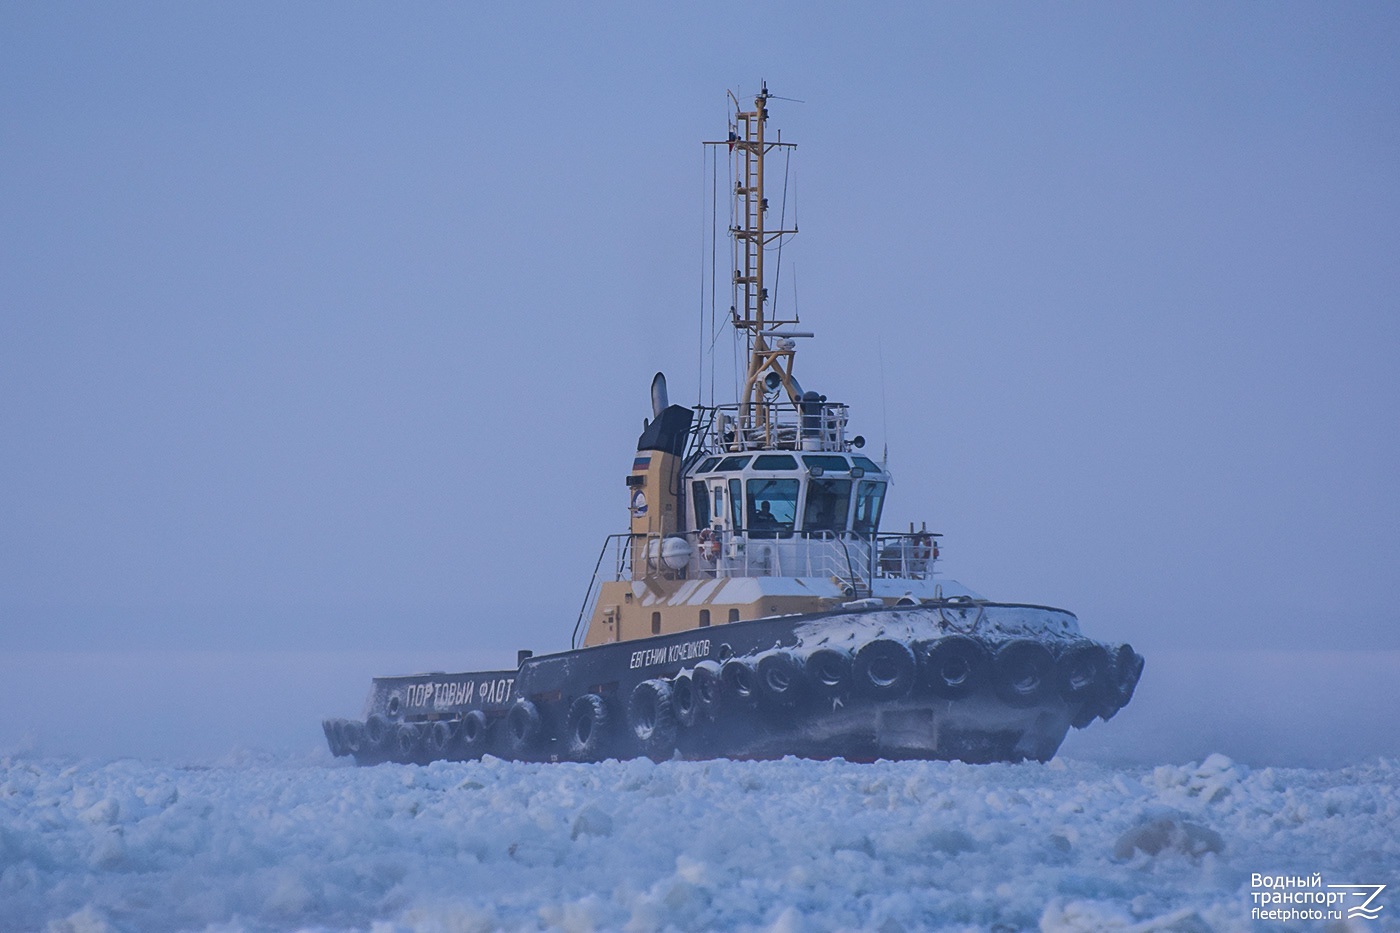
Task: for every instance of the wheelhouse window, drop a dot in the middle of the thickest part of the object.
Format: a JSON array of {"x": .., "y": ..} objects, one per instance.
[
  {"x": 870, "y": 498},
  {"x": 736, "y": 503},
  {"x": 701, "y": 497},
  {"x": 866, "y": 464},
  {"x": 772, "y": 507},
  {"x": 708, "y": 465},
  {"x": 828, "y": 505},
  {"x": 775, "y": 462},
  {"x": 730, "y": 464},
  {"x": 829, "y": 463}
]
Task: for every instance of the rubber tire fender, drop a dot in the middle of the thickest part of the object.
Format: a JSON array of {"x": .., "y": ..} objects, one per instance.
[
  {"x": 683, "y": 699},
  {"x": 1081, "y": 672},
  {"x": 586, "y": 730},
  {"x": 884, "y": 669},
  {"x": 1123, "y": 680},
  {"x": 1024, "y": 672},
  {"x": 522, "y": 728},
  {"x": 331, "y": 727},
  {"x": 829, "y": 671},
  {"x": 709, "y": 688},
  {"x": 408, "y": 742},
  {"x": 781, "y": 678},
  {"x": 377, "y": 731},
  {"x": 652, "y": 719},
  {"x": 471, "y": 734},
  {"x": 440, "y": 739},
  {"x": 954, "y": 666},
  {"x": 740, "y": 682},
  {"x": 352, "y": 733}
]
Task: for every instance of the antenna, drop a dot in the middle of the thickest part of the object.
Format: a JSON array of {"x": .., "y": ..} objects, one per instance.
[{"x": 884, "y": 415}]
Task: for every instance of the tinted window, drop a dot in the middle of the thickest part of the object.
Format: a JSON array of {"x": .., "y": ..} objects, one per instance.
[
  {"x": 708, "y": 465},
  {"x": 828, "y": 504},
  {"x": 701, "y": 496},
  {"x": 733, "y": 463},
  {"x": 828, "y": 463},
  {"x": 775, "y": 462},
  {"x": 866, "y": 464},
  {"x": 772, "y": 507},
  {"x": 736, "y": 511},
  {"x": 870, "y": 497}
]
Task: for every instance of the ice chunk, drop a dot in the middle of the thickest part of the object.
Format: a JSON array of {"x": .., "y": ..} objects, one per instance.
[
  {"x": 1168, "y": 834},
  {"x": 592, "y": 820},
  {"x": 87, "y": 920}
]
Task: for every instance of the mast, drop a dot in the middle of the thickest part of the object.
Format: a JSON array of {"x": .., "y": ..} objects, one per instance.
[{"x": 749, "y": 147}]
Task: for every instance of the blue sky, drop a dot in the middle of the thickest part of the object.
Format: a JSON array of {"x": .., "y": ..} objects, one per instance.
[{"x": 327, "y": 324}]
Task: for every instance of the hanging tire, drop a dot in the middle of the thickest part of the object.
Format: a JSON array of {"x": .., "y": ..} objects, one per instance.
[
  {"x": 331, "y": 727},
  {"x": 440, "y": 739},
  {"x": 377, "y": 731},
  {"x": 1125, "y": 673},
  {"x": 522, "y": 728},
  {"x": 652, "y": 719},
  {"x": 829, "y": 671},
  {"x": 1082, "y": 672},
  {"x": 587, "y": 729},
  {"x": 408, "y": 742},
  {"x": 471, "y": 734},
  {"x": 740, "y": 683},
  {"x": 884, "y": 669},
  {"x": 1024, "y": 672},
  {"x": 954, "y": 667},
  {"x": 352, "y": 734},
  {"x": 709, "y": 688},
  {"x": 683, "y": 700},
  {"x": 781, "y": 678}
]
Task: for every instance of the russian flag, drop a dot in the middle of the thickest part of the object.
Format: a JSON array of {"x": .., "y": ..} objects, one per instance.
[{"x": 640, "y": 464}]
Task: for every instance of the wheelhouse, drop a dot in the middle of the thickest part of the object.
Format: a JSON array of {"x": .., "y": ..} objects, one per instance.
[{"x": 782, "y": 495}]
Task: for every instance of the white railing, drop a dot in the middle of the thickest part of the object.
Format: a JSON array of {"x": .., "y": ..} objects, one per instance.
[
  {"x": 847, "y": 558},
  {"x": 815, "y": 426},
  {"x": 710, "y": 554}
]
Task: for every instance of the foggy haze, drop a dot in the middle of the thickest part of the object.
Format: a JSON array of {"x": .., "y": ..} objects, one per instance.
[{"x": 326, "y": 333}]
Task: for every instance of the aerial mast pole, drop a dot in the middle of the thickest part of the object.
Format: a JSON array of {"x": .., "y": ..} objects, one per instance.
[{"x": 749, "y": 145}]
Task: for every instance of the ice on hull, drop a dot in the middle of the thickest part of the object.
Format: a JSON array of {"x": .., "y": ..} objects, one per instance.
[{"x": 977, "y": 682}]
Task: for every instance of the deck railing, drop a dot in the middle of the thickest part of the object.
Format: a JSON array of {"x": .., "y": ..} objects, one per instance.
[
  {"x": 779, "y": 425},
  {"x": 850, "y": 559}
]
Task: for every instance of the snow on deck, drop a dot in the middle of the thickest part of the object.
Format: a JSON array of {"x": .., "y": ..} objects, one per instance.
[{"x": 787, "y": 845}]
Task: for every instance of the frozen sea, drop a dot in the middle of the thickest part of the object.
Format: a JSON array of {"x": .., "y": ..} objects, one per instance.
[
  {"x": 266, "y": 843},
  {"x": 122, "y": 810}
]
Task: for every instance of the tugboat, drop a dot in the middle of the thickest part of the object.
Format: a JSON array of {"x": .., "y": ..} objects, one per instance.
[{"x": 755, "y": 608}]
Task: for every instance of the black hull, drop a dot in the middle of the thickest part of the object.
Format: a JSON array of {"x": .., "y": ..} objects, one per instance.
[{"x": 977, "y": 682}]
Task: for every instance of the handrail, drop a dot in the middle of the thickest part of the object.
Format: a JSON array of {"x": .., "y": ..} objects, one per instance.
[
  {"x": 781, "y": 425},
  {"x": 588, "y": 596},
  {"x": 886, "y": 555}
]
